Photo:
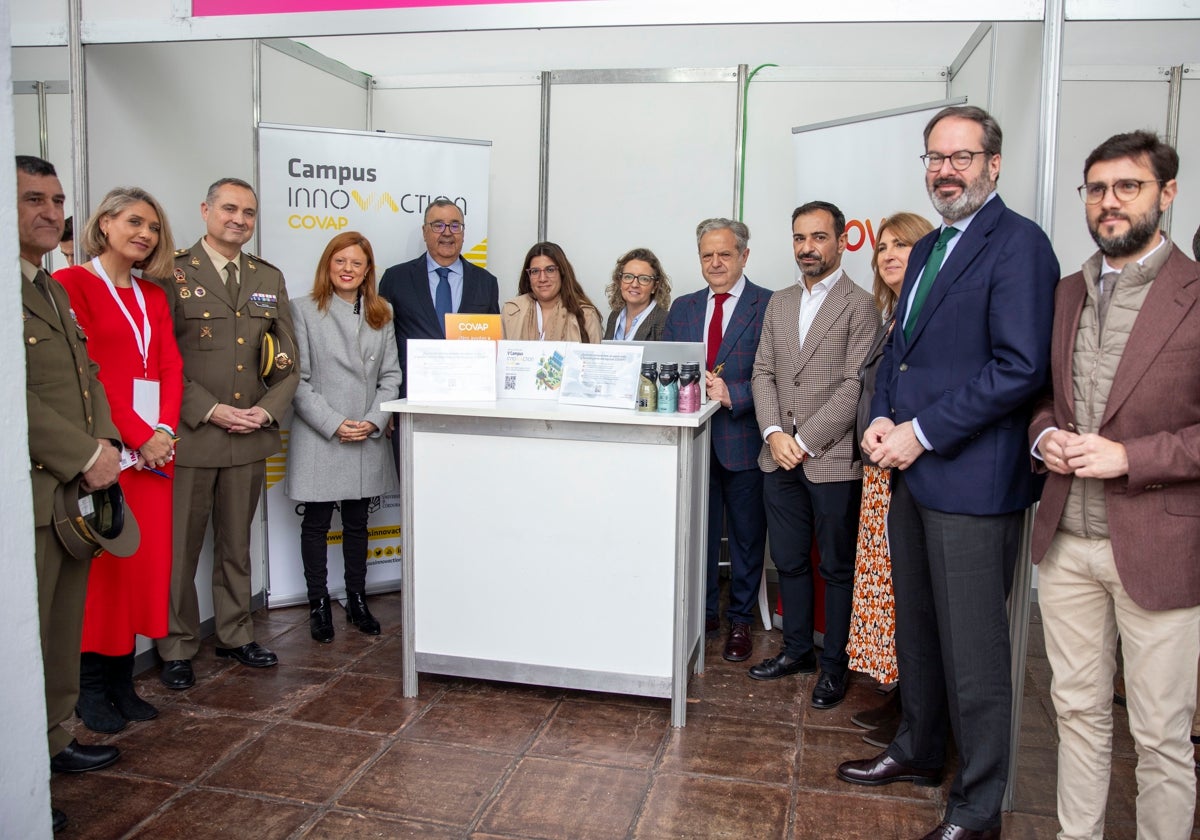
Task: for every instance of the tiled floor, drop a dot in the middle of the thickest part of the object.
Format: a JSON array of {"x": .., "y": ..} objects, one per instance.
[{"x": 325, "y": 746}]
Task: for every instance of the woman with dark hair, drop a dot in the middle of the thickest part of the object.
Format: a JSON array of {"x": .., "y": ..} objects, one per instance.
[
  {"x": 872, "y": 643},
  {"x": 131, "y": 335},
  {"x": 639, "y": 297},
  {"x": 337, "y": 454},
  {"x": 550, "y": 304}
]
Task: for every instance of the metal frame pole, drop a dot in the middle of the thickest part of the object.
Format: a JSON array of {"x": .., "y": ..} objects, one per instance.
[
  {"x": 544, "y": 157},
  {"x": 1174, "y": 94}
]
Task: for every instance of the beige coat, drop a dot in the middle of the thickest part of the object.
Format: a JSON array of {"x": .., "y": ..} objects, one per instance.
[{"x": 519, "y": 319}]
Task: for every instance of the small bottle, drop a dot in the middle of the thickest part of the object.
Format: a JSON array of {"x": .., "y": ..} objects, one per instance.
[
  {"x": 689, "y": 388},
  {"x": 647, "y": 393},
  {"x": 668, "y": 388}
]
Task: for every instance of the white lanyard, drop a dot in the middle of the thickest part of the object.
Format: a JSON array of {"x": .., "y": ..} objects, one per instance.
[
  {"x": 142, "y": 338},
  {"x": 541, "y": 328}
]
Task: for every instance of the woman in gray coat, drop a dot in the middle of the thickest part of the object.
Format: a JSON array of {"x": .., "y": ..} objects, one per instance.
[{"x": 337, "y": 454}]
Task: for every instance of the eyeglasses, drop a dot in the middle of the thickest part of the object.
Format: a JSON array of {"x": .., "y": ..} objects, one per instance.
[
  {"x": 642, "y": 279},
  {"x": 442, "y": 227},
  {"x": 549, "y": 271},
  {"x": 1126, "y": 189},
  {"x": 960, "y": 160}
]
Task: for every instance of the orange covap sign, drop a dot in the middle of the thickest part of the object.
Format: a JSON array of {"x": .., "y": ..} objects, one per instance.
[{"x": 485, "y": 327}]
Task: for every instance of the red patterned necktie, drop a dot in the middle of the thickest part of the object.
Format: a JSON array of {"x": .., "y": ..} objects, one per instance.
[{"x": 714, "y": 328}]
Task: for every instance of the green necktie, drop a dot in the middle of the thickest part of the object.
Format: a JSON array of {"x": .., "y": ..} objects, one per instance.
[{"x": 927, "y": 277}]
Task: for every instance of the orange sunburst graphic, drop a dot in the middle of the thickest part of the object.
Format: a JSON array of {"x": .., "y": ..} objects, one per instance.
[
  {"x": 277, "y": 463},
  {"x": 477, "y": 255}
]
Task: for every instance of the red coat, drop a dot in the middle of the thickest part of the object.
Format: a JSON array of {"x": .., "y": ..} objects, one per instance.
[
  {"x": 129, "y": 595},
  {"x": 1153, "y": 409}
]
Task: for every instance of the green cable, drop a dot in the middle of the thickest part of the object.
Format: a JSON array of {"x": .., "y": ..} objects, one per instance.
[{"x": 742, "y": 150}]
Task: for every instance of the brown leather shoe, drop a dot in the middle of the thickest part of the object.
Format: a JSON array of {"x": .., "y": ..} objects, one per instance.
[
  {"x": 883, "y": 770},
  {"x": 738, "y": 645},
  {"x": 949, "y": 831}
]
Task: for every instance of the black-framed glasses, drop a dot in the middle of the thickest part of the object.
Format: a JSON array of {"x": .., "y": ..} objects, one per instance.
[
  {"x": 549, "y": 271},
  {"x": 641, "y": 279},
  {"x": 1126, "y": 189},
  {"x": 442, "y": 227},
  {"x": 960, "y": 160}
]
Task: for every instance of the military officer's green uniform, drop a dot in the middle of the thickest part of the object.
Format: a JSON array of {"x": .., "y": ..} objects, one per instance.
[
  {"x": 68, "y": 413},
  {"x": 219, "y": 475}
]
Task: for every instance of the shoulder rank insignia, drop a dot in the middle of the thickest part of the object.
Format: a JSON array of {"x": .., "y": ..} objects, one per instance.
[{"x": 180, "y": 277}]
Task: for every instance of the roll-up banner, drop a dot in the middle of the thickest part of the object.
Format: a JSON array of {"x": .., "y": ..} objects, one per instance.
[
  {"x": 869, "y": 167},
  {"x": 313, "y": 184}
]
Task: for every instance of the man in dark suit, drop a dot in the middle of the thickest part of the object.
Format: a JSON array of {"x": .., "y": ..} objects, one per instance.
[
  {"x": 225, "y": 303},
  {"x": 954, "y": 393},
  {"x": 1117, "y": 530},
  {"x": 439, "y": 281},
  {"x": 814, "y": 338},
  {"x": 727, "y": 317},
  {"x": 71, "y": 434}
]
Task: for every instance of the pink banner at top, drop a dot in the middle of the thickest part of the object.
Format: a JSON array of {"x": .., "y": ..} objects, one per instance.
[{"x": 209, "y": 8}]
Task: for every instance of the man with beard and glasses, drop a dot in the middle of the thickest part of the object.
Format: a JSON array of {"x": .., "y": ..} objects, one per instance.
[
  {"x": 1116, "y": 533},
  {"x": 815, "y": 336},
  {"x": 955, "y": 390}
]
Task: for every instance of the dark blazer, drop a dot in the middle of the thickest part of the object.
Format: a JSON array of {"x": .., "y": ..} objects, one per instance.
[
  {"x": 1154, "y": 410},
  {"x": 649, "y": 330},
  {"x": 866, "y": 379},
  {"x": 734, "y": 430},
  {"x": 406, "y": 288},
  {"x": 978, "y": 358}
]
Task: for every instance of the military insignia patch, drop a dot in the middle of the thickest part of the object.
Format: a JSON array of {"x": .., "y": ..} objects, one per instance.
[
  {"x": 185, "y": 293},
  {"x": 264, "y": 300},
  {"x": 283, "y": 361},
  {"x": 196, "y": 262},
  {"x": 200, "y": 291},
  {"x": 180, "y": 277},
  {"x": 206, "y": 331}
]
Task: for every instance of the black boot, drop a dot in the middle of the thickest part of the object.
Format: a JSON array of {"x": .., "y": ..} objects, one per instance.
[
  {"x": 118, "y": 672},
  {"x": 320, "y": 620},
  {"x": 358, "y": 614},
  {"x": 93, "y": 707}
]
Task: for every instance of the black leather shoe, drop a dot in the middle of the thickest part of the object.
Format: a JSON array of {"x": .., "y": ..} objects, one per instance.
[
  {"x": 358, "y": 614},
  {"x": 79, "y": 758},
  {"x": 251, "y": 654},
  {"x": 783, "y": 666},
  {"x": 320, "y": 620},
  {"x": 949, "y": 831},
  {"x": 883, "y": 770},
  {"x": 177, "y": 674},
  {"x": 58, "y": 820},
  {"x": 829, "y": 691},
  {"x": 739, "y": 643}
]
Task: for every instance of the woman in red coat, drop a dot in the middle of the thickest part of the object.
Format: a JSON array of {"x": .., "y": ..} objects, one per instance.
[{"x": 131, "y": 336}]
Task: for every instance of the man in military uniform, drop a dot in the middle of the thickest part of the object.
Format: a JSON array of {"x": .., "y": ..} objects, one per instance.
[
  {"x": 70, "y": 434},
  {"x": 227, "y": 304}
]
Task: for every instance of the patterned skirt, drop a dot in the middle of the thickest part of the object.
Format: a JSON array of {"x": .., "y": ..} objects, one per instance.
[{"x": 872, "y": 645}]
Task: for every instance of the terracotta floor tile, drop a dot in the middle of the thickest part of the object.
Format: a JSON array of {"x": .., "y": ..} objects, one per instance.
[
  {"x": 1029, "y": 827},
  {"x": 724, "y": 688},
  {"x": 297, "y": 648},
  {"x": 382, "y": 660},
  {"x": 258, "y": 690},
  {"x": 682, "y": 806},
  {"x": 342, "y": 825},
  {"x": 443, "y": 784},
  {"x": 552, "y": 799},
  {"x": 296, "y": 762},
  {"x": 370, "y": 704},
  {"x": 607, "y": 734},
  {"x": 1032, "y": 794},
  {"x": 491, "y": 721},
  {"x": 730, "y": 747},
  {"x": 105, "y": 804},
  {"x": 861, "y": 694},
  {"x": 824, "y": 749},
  {"x": 182, "y": 743},
  {"x": 213, "y": 815},
  {"x": 861, "y": 817}
]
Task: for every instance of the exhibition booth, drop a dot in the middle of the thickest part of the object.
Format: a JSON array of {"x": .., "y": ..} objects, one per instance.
[{"x": 601, "y": 125}]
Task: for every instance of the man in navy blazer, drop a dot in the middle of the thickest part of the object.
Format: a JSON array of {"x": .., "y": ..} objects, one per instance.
[
  {"x": 954, "y": 394},
  {"x": 735, "y": 483},
  {"x": 411, "y": 287}
]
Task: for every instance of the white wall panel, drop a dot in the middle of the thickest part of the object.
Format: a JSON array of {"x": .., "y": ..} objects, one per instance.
[
  {"x": 295, "y": 93},
  {"x": 1186, "y": 217}
]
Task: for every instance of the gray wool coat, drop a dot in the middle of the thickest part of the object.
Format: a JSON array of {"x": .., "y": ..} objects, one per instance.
[{"x": 347, "y": 370}]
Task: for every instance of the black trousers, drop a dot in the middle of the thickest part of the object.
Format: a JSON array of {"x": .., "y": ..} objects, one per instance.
[
  {"x": 952, "y": 574},
  {"x": 735, "y": 498},
  {"x": 798, "y": 509},
  {"x": 314, "y": 536}
]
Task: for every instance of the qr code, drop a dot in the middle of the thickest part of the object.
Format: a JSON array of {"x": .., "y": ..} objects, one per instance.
[{"x": 510, "y": 382}]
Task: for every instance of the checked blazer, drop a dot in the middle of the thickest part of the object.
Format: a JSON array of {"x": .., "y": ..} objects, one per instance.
[
  {"x": 815, "y": 386},
  {"x": 735, "y": 437}
]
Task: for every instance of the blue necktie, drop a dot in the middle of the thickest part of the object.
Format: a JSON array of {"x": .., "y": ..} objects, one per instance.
[
  {"x": 442, "y": 303},
  {"x": 927, "y": 277}
]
